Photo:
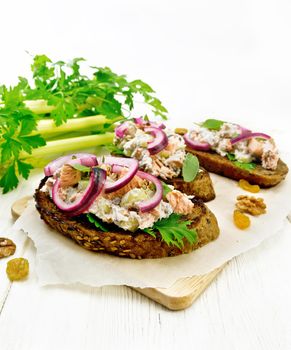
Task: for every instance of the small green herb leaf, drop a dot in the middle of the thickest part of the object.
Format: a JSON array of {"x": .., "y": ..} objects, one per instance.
[
  {"x": 245, "y": 166},
  {"x": 231, "y": 156},
  {"x": 97, "y": 222},
  {"x": 213, "y": 124},
  {"x": 173, "y": 230},
  {"x": 190, "y": 167},
  {"x": 150, "y": 231},
  {"x": 113, "y": 149},
  {"x": 166, "y": 189},
  {"x": 80, "y": 167}
]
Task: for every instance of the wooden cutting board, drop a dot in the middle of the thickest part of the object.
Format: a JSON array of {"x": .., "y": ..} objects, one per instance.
[{"x": 179, "y": 296}]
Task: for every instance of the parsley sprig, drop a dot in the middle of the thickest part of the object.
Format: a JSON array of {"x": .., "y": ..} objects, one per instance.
[
  {"x": 173, "y": 230},
  {"x": 97, "y": 222}
]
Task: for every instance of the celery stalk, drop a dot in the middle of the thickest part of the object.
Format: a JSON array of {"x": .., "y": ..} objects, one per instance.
[
  {"x": 47, "y": 128},
  {"x": 58, "y": 147},
  {"x": 39, "y": 106}
]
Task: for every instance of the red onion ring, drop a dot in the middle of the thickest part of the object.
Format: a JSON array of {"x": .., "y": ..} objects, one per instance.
[
  {"x": 199, "y": 146},
  {"x": 151, "y": 203},
  {"x": 244, "y": 130},
  {"x": 94, "y": 188},
  {"x": 159, "y": 126},
  {"x": 130, "y": 163},
  {"x": 249, "y": 136},
  {"x": 160, "y": 141},
  {"x": 121, "y": 130},
  {"x": 140, "y": 121},
  {"x": 85, "y": 159}
]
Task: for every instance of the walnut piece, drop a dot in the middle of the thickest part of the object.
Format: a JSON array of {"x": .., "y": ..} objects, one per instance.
[
  {"x": 7, "y": 247},
  {"x": 251, "y": 205}
]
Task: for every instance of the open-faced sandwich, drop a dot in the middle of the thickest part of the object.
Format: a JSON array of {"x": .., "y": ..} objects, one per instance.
[
  {"x": 238, "y": 153},
  {"x": 161, "y": 152},
  {"x": 108, "y": 205}
]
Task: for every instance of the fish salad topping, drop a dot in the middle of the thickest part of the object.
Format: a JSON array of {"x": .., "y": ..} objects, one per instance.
[
  {"x": 235, "y": 142},
  {"x": 134, "y": 141},
  {"x": 120, "y": 207}
]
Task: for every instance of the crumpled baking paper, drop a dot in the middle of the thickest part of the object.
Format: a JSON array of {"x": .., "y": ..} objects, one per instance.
[{"x": 61, "y": 261}]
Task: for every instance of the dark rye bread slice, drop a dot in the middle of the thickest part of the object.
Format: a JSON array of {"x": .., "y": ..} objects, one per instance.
[
  {"x": 215, "y": 163},
  {"x": 122, "y": 243},
  {"x": 201, "y": 187}
]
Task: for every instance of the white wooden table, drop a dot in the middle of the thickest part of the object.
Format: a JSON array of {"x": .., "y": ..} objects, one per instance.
[{"x": 225, "y": 59}]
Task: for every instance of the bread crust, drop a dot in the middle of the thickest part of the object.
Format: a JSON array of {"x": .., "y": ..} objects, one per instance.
[
  {"x": 215, "y": 163},
  {"x": 201, "y": 187},
  {"x": 122, "y": 243}
]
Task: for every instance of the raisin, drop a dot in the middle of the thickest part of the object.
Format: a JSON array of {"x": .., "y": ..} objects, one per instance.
[
  {"x": 245, "y": 185},
  {"x": 7, "y": 247},
  {"x": 181, "y": 131},
  {"x": 17, "y": 269},
  {"x": 241, "y": 220}
]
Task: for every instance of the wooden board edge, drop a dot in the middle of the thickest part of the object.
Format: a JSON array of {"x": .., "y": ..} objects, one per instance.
[{"x": 182, "y": 293}]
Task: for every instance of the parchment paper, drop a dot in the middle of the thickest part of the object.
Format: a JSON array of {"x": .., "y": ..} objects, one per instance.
[{"x": 60, "y": 261}]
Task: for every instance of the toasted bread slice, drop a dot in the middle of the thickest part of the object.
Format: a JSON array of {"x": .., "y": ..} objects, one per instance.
[
  {"x": 215, "y": 163},
  {"x": 201, "y": 187},
  {"x": 122, "y": 243}
]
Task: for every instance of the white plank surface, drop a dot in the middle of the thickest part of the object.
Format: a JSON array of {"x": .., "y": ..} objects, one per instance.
[
  {"x": 227, "y": 59},
  {"x": 248, "y": 307}
]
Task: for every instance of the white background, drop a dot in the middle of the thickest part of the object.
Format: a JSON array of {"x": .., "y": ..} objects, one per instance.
[{"x": 228, "y": 59}]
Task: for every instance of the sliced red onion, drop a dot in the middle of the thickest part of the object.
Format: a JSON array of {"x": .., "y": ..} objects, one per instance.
[
  {"x": 139, "y": 121},
  {"x": 157, "y": 197},
  {"x": 160, "y": 139},
  {"x": 130, "y": 163},
  {"x": 196, "y": 145},
  {"x": 249, "y": 136},
  {"x": 94, "y": 188},
  {"x": 121, "y": 130},
  {"x": 159, "y": 126},
  {"x": 85, "y": 159},
  {"x": 90, "y": 161},
  {"x": 244, "y": 131}
]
